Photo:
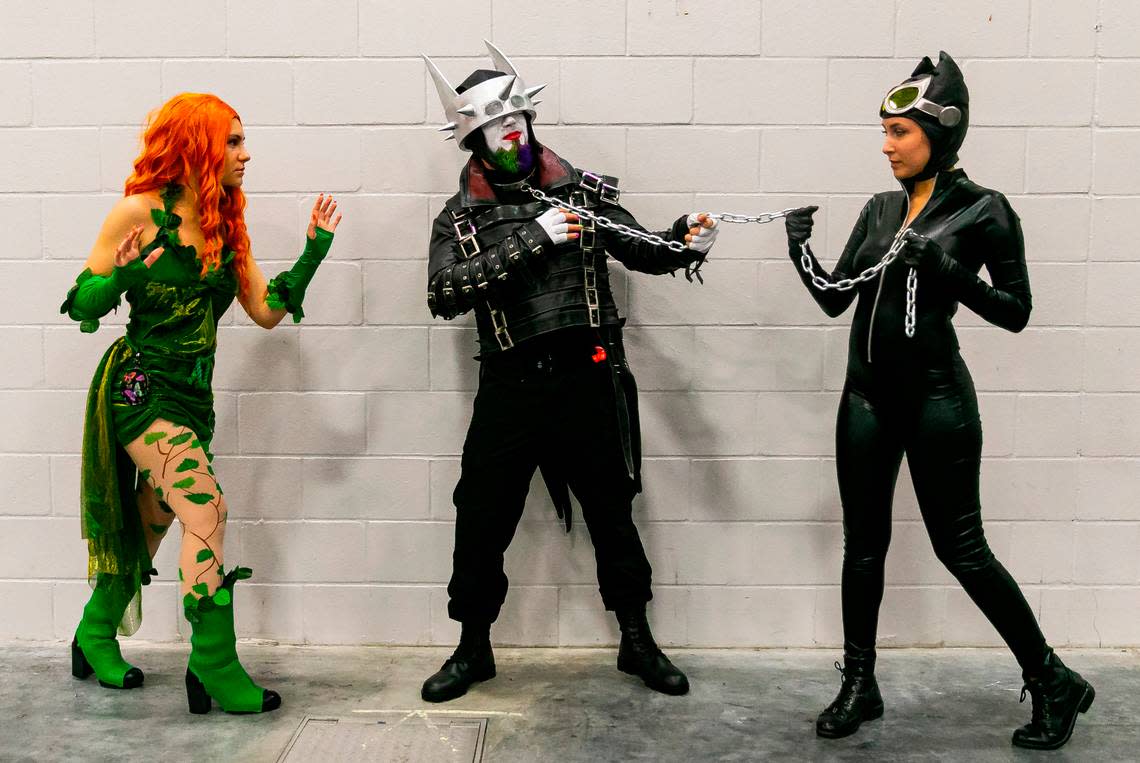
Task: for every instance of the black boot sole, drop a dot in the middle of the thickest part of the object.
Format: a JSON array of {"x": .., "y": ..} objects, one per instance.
[
  {"x": 1086, "y": 702},
  {"x": 81, "y": 669},
  {"x": 872, "y": 714}
]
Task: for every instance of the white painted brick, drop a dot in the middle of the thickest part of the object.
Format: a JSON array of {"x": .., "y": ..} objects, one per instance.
[
  {"x": 757, "y": 359},
  {"x": 261, "y": 92},
  {"x": 41, "y": 548},
  {"x": 27, "y": 485},
  {"x": 20, "y": 220},
  {"x": 999, "y": 413},
  {"x": 16, "y": 84},
  {"x": 661, "y": 358},
  {"x": 310, "y": 160},
  {"x": 1047, "y": 425},
  {"x": 1108, "y": 488},
  {"x": 366, "y": 615},
  {"x": 741, "y": 617},
  {"x": 301, "y": 424},
  {"x": 835, "y": 350},
  {"x": 365, "y": 488},
  {"x": 1115, "y": 104},
  {"x": 1106, "y": 553},
  {"x": 856, "y": 88},
  {"x": 529, "y": 618},
  {"x": 793, "y": 554},
  {"x": 1056, "y": 228},
  {"x": 408, "y": 552},
  {"x": 1058, "y": 160},
  {"x": 1116, "y": 152},
  {"x": 599, "y": 149},
  {"x": 161, "y": 611},
  {"x": 695, "y": 27},
  {"x": 273, "y": 226},
  {"x": 1058, "y": 296},
  {"x": 638, "y": 90},
  {"x": 596, "y": 27},
  {"x": 665, "y": 490},
  {"x": 582, "y": 620},
  {"x": 24, "y": 33},
  {"x": 71, "y": 224},
  {"x": 261, "y": 488},
  {"x": 379, "y": 227},
  {"x": 995, "y": 158},
  {"x": 840, "y": 159},
  {"x": 662, "y": 159},
  {"x": 21, "y": 357},
  {"x": 1099, "y": 617},
  {"x": 754, "y": 91},
  {"x": 225, "y": 442},
  {"x": 771, "y": 490},
  {"x": 710, "y": 424},
  {"x": 409, "y": 160},
  {"x": 266, "y": 28},
  {"x": 359, "y": 92},
  {"x": 71, "y": 357},
  {"x": 127, "y": 90},
  {"x": 32, "y": 602},
  {"x": 542, "y": 553},
  {"x": 126, "y": 28},
  {"x": 453, "y": 367},
  {"x": 965, "y": 28},
  {"x": 727, "y": 296},
  {"x": 912, "y": 616},
  {"x": 999, "y": 360},
  {"x": 534, "y": 71},
  {"x": 911, "y": 560},
  {"x": 820, "y": 28},
  {"x": 1031, "y": 489},
  {"x": 364, "y": 359},
  {"x": 796, "y": 423},
  {"x": 967, "y": 626},
  {"x": 30, "y": 160},
  {"x": 444, "y": 475},
  {"x": 1118, "y": 29},
  {"x": 1110, "y": 360},
  {"x": 1116, "y": 226},
  {"x": 65, "y": 485},
  {"x": 1063, "y": 29},
  {"x": 118, "y": 148},
  {"x": 333, "y": 298},
  {"x": 251, "y": 358},
  {"x": 1041, "y": 552},
  {"x": 1047, "y": 92},
  {"x": 422, "y": 423},
  {"x": 49, "y": 421},
  {"x": 388, "y": 29},
  {"x": 396, "y": 293},
  {"x": 269, "y": 612},
  {"x": 1108, "y": 425},
  {"x": 304, "y": 552},
  {"x": 1111, "y": 296}
]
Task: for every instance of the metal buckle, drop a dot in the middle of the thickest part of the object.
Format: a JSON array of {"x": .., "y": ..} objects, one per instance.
[
  {"x": 591, "y": 278},
  {"x": 610, "y": 193},
  {"x": 595, "y": 317},
  {"x": 591, "y": 182},
  {"x": 502, "y": 336},
  {"x": 474, "y": 246}
]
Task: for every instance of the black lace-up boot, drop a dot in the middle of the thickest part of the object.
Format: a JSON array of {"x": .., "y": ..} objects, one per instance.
[
  {"x": 639, "y": 655},
  {"x": 472, "y": 661},
  {"x": 1058, "y": 695},
  {"x": 858, "y": 700}
]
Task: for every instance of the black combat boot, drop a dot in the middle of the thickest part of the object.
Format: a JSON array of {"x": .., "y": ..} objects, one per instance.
[
  {"x": 1058, "y": 695},
  {"x": 858, "y": 700},
  {"x": 640, "y": 656},
  {"x": 472, "y": 661}
]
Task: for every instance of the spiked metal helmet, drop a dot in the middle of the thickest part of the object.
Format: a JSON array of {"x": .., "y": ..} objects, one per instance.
[{"x": 485, "y": 102}]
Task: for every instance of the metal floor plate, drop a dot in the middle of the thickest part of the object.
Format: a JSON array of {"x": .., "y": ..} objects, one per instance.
[{"x": 392, "y": 737}]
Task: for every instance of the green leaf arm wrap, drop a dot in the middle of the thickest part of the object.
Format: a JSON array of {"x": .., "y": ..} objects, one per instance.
[
  {"x": 94, "y": 296},
  {"x": 287, "y": 290}
]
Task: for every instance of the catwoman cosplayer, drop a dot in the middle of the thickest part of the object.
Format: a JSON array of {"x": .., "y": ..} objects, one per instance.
[
  {"x": 555, "y": 392},
  {"x": 908, "y": 390}
]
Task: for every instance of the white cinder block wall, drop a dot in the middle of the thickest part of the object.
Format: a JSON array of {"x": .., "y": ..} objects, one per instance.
[{"x": 339, "y": 440}]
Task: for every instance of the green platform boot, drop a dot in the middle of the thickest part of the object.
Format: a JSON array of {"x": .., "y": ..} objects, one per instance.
[
  {"x": 94, "y": 648},
  {"x": 214, "y": 672}
]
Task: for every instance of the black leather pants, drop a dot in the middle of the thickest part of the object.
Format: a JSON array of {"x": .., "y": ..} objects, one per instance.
[
  {"x": 552, "y": 402},
  {"x": 933, "y": 418}
]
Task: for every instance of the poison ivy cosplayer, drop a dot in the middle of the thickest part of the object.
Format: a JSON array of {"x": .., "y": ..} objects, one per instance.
[
  {"x": 176, "y": 246},
  {"x": 908, "y": 390},
  {"x": 555, "y": 392}
]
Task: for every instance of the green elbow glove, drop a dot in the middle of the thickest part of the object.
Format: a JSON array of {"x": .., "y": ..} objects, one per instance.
[
  {"x": 94, "y": 296},
  {"x": 287, "y": 290}
]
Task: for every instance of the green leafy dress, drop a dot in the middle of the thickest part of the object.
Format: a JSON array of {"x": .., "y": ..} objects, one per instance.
[{"x": 161, "y": 368}]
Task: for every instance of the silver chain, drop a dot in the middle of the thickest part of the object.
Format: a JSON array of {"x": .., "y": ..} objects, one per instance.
[
  {"x": 605, "y": 222},
  {"x": 763, "y": 217}
]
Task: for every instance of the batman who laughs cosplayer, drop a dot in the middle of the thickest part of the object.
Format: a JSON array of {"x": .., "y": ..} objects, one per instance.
[{"x": 555, "y": 392}]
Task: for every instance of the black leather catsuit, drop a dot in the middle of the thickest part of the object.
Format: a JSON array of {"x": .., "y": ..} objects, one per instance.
[{"x": 915, "y": 396}]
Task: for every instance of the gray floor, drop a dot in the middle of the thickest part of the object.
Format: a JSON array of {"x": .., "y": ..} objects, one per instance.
[{"x": 566, "y": 705}]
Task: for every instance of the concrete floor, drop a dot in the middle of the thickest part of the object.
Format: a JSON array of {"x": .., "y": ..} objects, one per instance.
[{"x": 567, "y": 705}]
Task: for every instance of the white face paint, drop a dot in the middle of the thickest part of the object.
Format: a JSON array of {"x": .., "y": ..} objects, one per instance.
[{"x": 505, "y": 131}]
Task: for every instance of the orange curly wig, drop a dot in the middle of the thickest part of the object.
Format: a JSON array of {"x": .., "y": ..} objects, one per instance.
[{"x": 184, "y": 139}]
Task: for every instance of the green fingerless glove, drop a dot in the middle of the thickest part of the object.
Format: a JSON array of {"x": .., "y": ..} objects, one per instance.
[
  {"x": 94, "y": 296},
  {"x": 287, "y": 290}
]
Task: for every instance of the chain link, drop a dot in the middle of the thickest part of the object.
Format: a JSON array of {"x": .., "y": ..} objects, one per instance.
[
  {"x": 605, "y": 222},
  {"x": 763, "y": 217}
]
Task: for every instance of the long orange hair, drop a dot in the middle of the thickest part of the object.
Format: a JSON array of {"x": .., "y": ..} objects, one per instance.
[{"x": 184, "y": 139}]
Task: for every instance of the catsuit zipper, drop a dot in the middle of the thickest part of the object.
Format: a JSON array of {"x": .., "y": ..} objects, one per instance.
[{"x": 883, "y": 273}]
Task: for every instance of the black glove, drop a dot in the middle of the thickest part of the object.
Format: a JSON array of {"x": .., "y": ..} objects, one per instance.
[
  {"x": 798, "y": 224},
  {"x": 920, "y": 252}
]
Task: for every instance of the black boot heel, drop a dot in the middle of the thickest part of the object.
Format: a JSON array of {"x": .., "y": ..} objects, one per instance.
[
  {"x": 1086, "y": 703},
  {"x": 196, "y": 696},
  {"x": 80, "y": 667}
]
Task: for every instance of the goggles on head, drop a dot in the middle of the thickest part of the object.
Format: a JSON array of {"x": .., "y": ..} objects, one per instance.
[{"x": 902, "y": 98}]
